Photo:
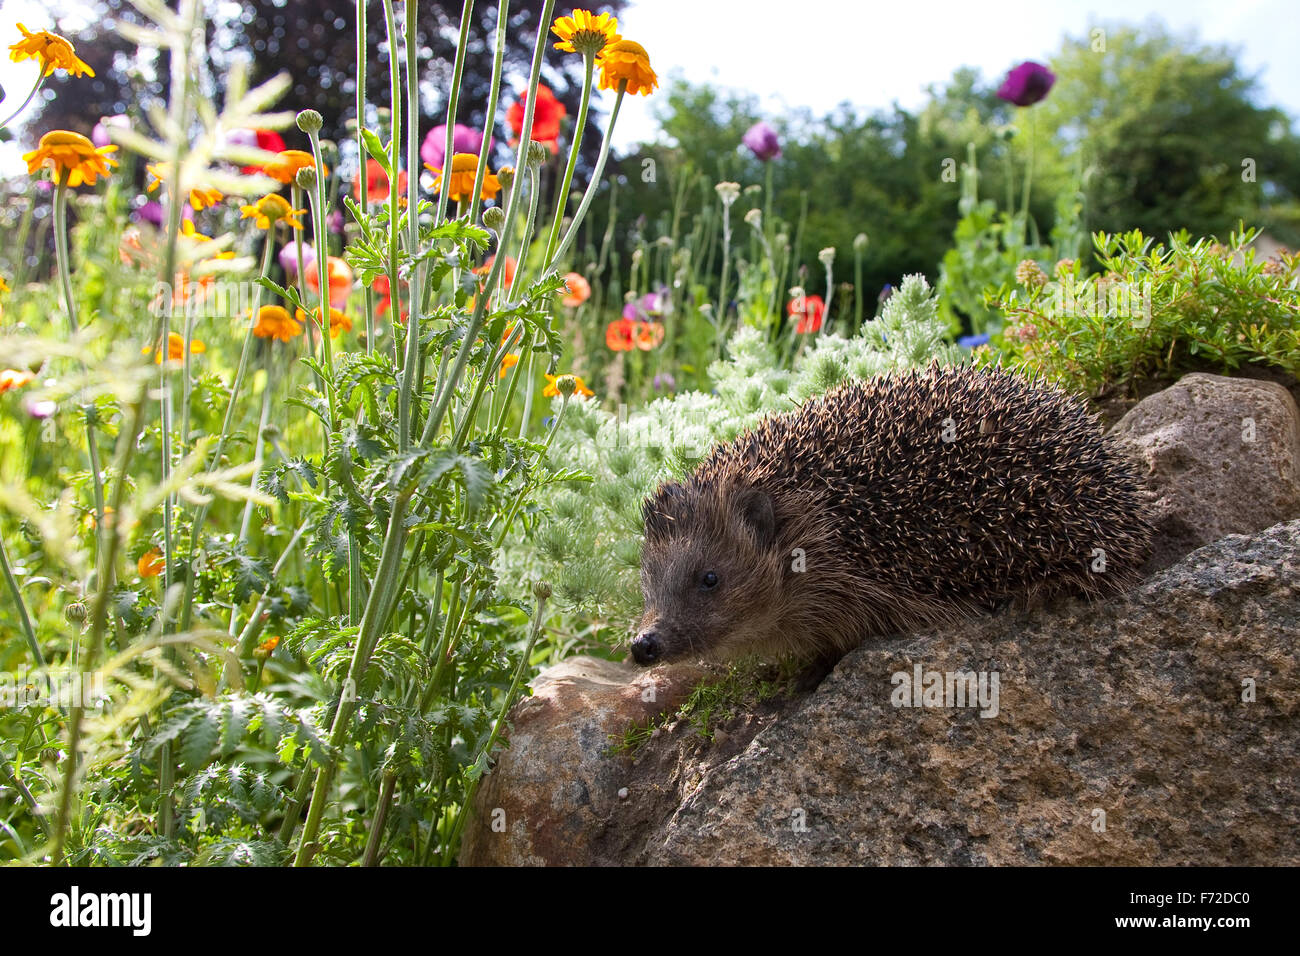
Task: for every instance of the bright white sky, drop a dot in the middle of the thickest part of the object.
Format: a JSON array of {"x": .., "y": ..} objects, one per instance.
[{"x": 818, "y": 53}]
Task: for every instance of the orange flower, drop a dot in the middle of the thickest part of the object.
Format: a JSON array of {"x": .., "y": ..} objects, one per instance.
[
  {"x": 150, "y": 564},
  {"x": 377, "y": 183},
  {"x": 339, "y": 276},
  {"x": 578, "y": 288},
  {"x": 339, "y": 321},
  {"x": 269, "y": 209},
  {"x": 53, "y": 51},
  {"x": 14, "y": 378},
  {"x": 550, "y": 391},
  {"x": 274, "y": 322},
  {"x": 648, "y": 335},
  {"x": 286, "y": 164},
  {"x": 266, "y": 648},
  {"x": 176, "y": 348},
  {"x": 463, "y": 168},
  {"x": 508, "y": 361},
  {"x": 619, "y": 335},
  {"x": 627, "y": 61},
  {"x": 547, "y": 115},
  {"x": 73, "y": 157}
]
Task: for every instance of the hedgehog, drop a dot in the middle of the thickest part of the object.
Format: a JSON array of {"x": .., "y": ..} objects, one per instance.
[{"x": 910, "y": 499}]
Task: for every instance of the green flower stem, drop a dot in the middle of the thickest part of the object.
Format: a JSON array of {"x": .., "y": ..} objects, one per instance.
[
  {"x": 485, "y": 753},
  {"x": 64, "y": 262},
  {"x": 562, "y": 200},
  {"x": 375, "y": 617},
  {"x": 361, "y": 154},
  {"x": 453, "y": 101},
  {"x": 40, "y": 78},
  {"x": 443, "y": 400},
  {"x": 480, "y": 387},
  {"x": 187, "y": 603},
  {"x": 319, "y": 213},
  {"x": 23, "y": 617},
  {"x": 498, "y": 417},
  {"x": 386, "y": 790},
  {"x": 13, "y": 780},
  {"x": 259, "y": 457},
  {"x": 596, "y": 174},
  {"x": 1029, "y": 176},
  {"x": 503, "y": 22},
  {"x": 99, "y": 623},
  {"x": 830, "y": 293},
  {"x": 395, "y": 100},
  {"x": 857, "y": 289},
  {"x": 720, "y": 313}
]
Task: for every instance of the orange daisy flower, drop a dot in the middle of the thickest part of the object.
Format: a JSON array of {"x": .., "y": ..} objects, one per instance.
[
  {"x": 14, "y": 378},
  {"x": 53, "y": 51},
  {"x": 176, "y": 348},
  {"x": 626, "y": 60},
  {"x": 464, "y": 166},
  {"x": 150, "y": 564},
  {"x": 585, "y": 32},
  {"x": 275, "y": 322},
  {"x": 550, "y": 391},
  {"x": 74, "y": 158},
  {"x": 339, "y": 320},
  {"x": 286, "y": 164}
]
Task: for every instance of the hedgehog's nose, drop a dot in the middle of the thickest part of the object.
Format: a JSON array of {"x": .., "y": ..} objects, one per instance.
[{"x": 646, "y": 648}]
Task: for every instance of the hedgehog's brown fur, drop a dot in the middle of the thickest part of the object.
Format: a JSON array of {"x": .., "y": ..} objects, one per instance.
[{"x": 898, "y": 527}]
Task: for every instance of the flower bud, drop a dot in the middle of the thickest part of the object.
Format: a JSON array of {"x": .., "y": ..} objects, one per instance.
[
  {"x": 75, "y": 613},
  {"x": 827, "y": 256},
  {"x": 309, "y": 121},
  {"x": 755, "y": 218},
  {"x": 728, "y": 192},
  {"x": 494, "y": 217},
  {"x": 565, "y": 385},
  {"x": 860, "y": 242},
  {"x": 536, "y": 153},
  {"x": 306, "y": 178},
  {"x": 506, "y": 177},
  {"x": 542, "y": 589}
]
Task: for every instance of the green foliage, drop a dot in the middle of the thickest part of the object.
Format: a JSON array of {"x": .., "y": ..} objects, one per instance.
[{"x": 1156, "y": 312}]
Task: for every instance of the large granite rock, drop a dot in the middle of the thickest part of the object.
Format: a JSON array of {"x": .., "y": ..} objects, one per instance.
[
  {"x": 1161, "y": 727},
  {"x": 1220, "y": 455}
]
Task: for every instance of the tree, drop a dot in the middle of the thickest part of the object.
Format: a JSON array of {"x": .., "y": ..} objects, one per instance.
[{"x": 1174, "y": 134}]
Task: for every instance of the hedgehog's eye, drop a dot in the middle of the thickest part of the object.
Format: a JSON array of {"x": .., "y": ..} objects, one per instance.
[{"x": 708, "y": 581}]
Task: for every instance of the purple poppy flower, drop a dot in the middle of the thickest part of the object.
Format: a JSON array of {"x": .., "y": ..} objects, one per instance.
[
  {"x": 42, "y": 408},
  {"x": 151, "y": 212},
  {"x": 242, "y": 137},
  {"x": 334, "y": 221},
  {"x": 762, "y": 142},
  {"x": 289, "y": 258},
  {"x": 463, "y": 140},
  {"x": 973, "y": 341},
  {"x": 99, "y": 135},
  {"x": 1027, "y": 84},
  {"x": 664, "y": 382}
]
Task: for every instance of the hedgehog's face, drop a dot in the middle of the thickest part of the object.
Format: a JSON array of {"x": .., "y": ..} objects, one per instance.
[{"x": 706, "y": 573}]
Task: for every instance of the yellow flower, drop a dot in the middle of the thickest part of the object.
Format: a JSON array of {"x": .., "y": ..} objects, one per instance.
[
  {"x": 189, "y": 232},
  {"x": 585, "y": 32},
  {"x": 13, "y": 378},
  {"x": 54, "y": 52},
  {"x": 201, "y": 197},
  {"x": 176, "y": 348},
  {"x": 626, "y": 60},
  {"x": 286, "y": 164},
  {"x": 275, "y": 322},
  {"x": 4, "y": 286},
  {"x": 270, "y": 208},
  {"x": 339, "y": 320},
  {"x": 72, "y": 155},
  {"x": 550, "y": 391},
  {"x": 463, "y": 168}
]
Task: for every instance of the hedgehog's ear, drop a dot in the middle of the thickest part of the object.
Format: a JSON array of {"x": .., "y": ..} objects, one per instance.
[{"x": 755, "y": 508}]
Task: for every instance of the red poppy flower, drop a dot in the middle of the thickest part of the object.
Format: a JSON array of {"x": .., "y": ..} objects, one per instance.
[
  {"x": 648, "y": 335},
  {"x": 809, "y": 310},
  {"x": 546, "y": 118},
  {"x": 620, "y": 335},
  {"x": 269, "y": 140},
  {"x": 380, "y": 285},
  {"x": 377, "y": 183}
]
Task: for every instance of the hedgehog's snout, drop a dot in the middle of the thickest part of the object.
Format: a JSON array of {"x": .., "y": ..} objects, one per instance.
[{"x": 647, "y": 647}]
